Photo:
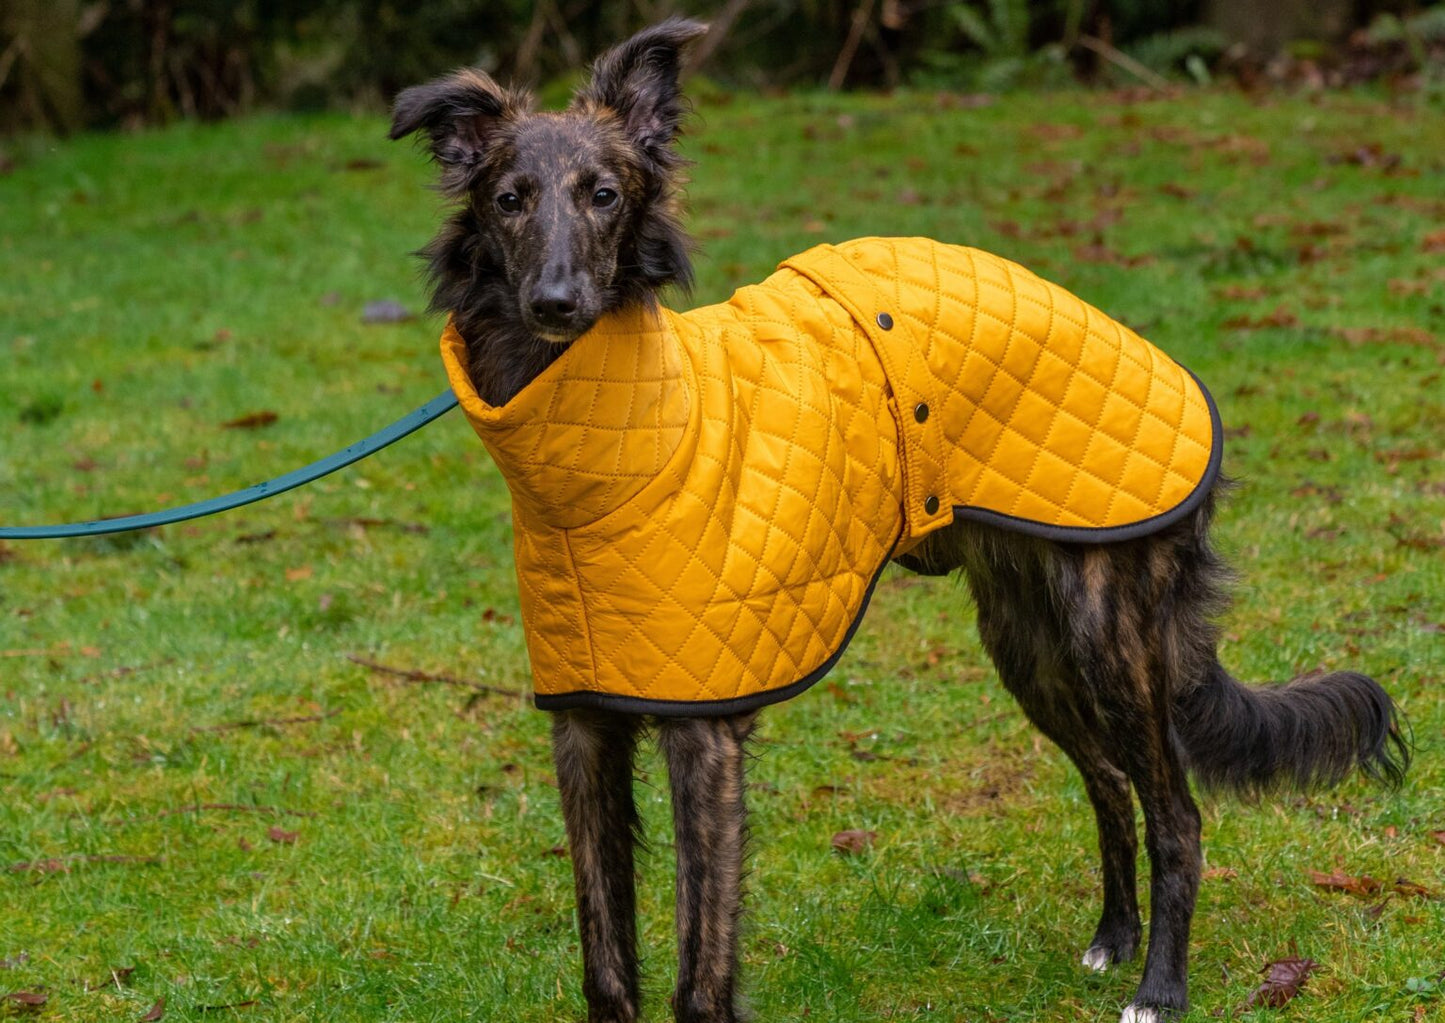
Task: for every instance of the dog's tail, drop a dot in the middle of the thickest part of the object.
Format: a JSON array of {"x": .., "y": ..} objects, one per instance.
[{"x": 1304, "y": 734}]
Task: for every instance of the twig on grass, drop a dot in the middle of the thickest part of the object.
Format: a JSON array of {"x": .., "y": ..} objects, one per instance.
[
  {"x": 305, "y": 719},
  {"x": 61, "y": 865},
  {"x": 279, "y": 811},
  {"x": 122, "y": 671},
  {"x": 412, "y": 675}
]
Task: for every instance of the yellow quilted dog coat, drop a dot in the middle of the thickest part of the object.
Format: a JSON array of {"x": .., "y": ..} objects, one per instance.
[{"x": 703, "y": 501}]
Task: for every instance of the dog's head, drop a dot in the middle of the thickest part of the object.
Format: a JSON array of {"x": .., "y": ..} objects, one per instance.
[{"x": 568, "y": 214}]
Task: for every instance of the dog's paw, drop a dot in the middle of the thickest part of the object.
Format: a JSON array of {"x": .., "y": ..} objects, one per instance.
[
  {"x": 1098, "y": 959},
  {"x": 1140, "y": 1014}
]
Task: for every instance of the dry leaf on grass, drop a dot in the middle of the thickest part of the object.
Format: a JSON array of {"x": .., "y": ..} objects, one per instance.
[
  {"x": 251, "y": 420},
  {"x": 29, "y": 999},
  {"x": 853, "y": 841},
  {"x": 1283, "y": 979}
]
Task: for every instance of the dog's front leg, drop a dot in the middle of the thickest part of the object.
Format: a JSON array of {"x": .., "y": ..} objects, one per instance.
[
  {"x": 705, "y": 763},
  {"x": 593, "y": 752}
]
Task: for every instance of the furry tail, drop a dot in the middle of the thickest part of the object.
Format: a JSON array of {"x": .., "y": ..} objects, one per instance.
[{"x": 1305, "y": 734}]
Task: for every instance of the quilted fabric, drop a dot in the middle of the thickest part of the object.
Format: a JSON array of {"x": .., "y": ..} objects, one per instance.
[{"x": 702, "y": 502}]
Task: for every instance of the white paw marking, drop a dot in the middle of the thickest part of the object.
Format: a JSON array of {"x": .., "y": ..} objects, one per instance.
[
  {"x": 1097, "y": 959},
  {"x": 1139, "y": 1014}
]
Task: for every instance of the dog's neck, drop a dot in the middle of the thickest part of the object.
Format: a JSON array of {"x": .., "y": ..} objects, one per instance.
[{"x": 503, "y": 356}]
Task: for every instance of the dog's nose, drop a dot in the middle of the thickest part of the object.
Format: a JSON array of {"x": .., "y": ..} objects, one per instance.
[{"x": 554, "y": 304}]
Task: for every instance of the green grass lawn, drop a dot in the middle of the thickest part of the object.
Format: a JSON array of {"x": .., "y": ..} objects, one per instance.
[{"x": 205, "y": 801}]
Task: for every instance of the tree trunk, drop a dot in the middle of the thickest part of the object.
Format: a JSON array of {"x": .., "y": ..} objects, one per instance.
[{"x": 41, "y": 40}]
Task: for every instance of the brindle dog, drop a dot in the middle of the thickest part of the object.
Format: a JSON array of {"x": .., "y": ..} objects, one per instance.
[{"x": 1110, "y": 649}]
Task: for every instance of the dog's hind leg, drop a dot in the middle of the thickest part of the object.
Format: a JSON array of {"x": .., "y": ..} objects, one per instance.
[
  {"x": 1068, "y": 724},
  {"x": 705, "y": 759},
  {"x": 1026, "y": 649},
  {"x": 1131, "y": 647},
  {"x": 593, "y": 753}
]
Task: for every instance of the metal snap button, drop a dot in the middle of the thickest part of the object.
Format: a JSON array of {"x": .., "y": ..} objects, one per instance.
[
  {"x": 930, "y": 504},
  {"x": 885, "y": 321},
  {"x": 920, "y": 412}
]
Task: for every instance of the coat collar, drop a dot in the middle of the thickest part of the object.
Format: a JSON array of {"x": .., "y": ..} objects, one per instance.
[{"x": 592, "y": 429}]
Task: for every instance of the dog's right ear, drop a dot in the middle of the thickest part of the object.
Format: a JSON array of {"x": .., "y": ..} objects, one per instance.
[{"x": 462, "y": 114}]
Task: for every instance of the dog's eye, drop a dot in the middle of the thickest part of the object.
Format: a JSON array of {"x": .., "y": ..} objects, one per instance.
[
  {"x": 603, "y": 198},
  {"x": 508, "y": 202}
]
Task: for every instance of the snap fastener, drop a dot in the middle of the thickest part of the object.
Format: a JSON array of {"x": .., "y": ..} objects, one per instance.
[
  {"x": 930, "y": 504},
  {"x": 885, "y": 321},
  {"x": 920, "y": 412}
]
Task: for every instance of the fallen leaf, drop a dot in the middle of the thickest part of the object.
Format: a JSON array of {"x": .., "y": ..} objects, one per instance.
[
  {"x": 1049, "y": 132},
  {"x": 853, "y": 841},
  {"x": 1411, "y": 889},
  {"x": 1243, "y": 292},
  {"x": 1357, "y": 336},
  {"x": 1281, "y": 317},
  {"x": 1369, "y": 154},
  {"x": 295, "y": 575},
  {"x": 281, "y": 835},
  {"x": 1220, "y": 874},
  {"x": 1402, "y": 286},
  {"x": 1363, "y": 886},
  {"x": 1438, "y": 836},
  {"x": 30, "y": 999},
  {"x": 1433, "y": 242},
  {"x": 251, "y": 421},
  {"x": 1283, "y": 980},
  {"x": 156, "y": 1011}
]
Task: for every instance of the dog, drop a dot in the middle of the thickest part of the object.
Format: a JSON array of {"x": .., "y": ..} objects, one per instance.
[{"x": 568, "y": 218}]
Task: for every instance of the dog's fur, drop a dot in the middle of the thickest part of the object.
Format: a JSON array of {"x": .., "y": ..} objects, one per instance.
[{"x": 1110, "y": 649}]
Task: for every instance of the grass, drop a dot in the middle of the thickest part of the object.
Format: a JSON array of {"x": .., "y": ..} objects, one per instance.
[{"x": 396, "y": 855}]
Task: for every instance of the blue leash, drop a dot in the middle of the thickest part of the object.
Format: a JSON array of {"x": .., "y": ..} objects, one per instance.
[{"x": 410, "y": 423}]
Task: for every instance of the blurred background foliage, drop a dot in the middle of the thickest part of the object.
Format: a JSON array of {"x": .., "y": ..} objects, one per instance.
[{"x": 71, "y": 64}]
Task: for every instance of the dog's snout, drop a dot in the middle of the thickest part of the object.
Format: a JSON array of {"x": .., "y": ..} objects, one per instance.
[{"x": 555, "y": 303}]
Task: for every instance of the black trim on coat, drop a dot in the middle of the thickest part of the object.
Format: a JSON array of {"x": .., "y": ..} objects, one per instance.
[{"x": 1113, "y": 534}]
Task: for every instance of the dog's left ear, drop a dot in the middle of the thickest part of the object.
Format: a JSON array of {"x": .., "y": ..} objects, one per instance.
[{"x": 639, "y": 81}]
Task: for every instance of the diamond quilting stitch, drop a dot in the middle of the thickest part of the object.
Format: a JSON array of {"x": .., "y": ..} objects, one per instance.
[{"x": 770, "y": 588}]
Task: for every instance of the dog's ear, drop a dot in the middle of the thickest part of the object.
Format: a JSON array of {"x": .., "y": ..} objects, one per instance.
[
  {"x": 638, "y": 80},
  {"x": 461, "y": 114}
]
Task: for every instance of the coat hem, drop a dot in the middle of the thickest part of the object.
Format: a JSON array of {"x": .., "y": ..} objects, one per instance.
[{"x": 589, "y": 699}]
